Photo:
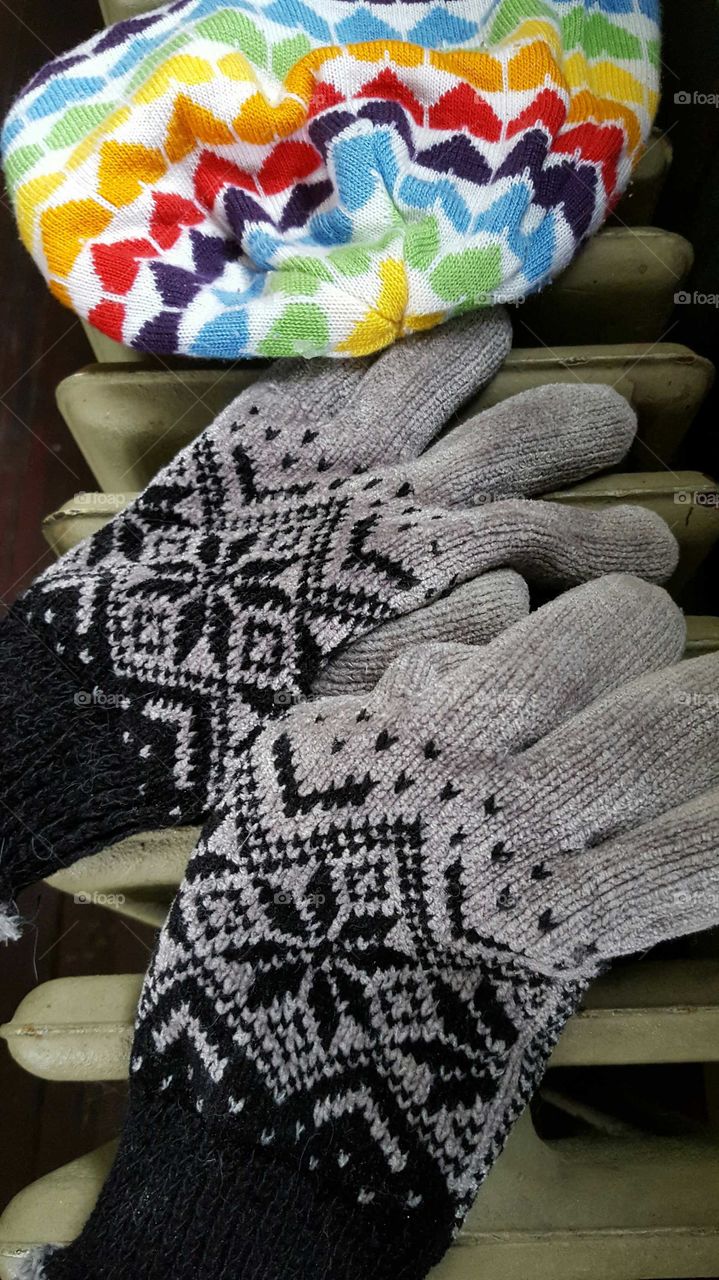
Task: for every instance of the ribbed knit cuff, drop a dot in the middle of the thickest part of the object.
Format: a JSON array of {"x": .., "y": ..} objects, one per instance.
[
  {"x": 73, "y": 773},
  {"x": 182, "y": 1202}
]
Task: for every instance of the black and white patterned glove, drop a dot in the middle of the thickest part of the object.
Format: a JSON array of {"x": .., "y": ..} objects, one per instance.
[
  {"x": 382, "y": 932},
  {"x": 299, "y": 522}
]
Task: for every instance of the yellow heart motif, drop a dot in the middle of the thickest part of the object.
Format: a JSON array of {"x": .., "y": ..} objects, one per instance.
[{"x": 125, "y": 168}]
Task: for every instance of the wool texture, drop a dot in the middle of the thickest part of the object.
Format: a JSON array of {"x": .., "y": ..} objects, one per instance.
[
  {"x": 238, "y": 581},
  {"x": 318, "y": 178},
  {"x": 398, "y": 903},
  {"x": 299, "y": 522}
]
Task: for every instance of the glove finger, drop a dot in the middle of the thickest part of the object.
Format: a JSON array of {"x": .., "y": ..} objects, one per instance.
[
  {"x": 546, "y": 542},
  {"x": 394, "y": 564},
  {"x": 535, "y": 442},
  {"x": 473, "y": 614},
  {"x": 419, "y": 667},
  {"x": 653, "y": 883},
  {"x": 548, "y": 667},
  {"x": 634, "y": 754},
  {"x": 414, "y": 387}
]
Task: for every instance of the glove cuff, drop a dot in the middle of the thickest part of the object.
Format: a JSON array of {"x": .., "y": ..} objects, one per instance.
[
  {"x": 81, "y": 766},
  {"x": 184, "y": 1200}
]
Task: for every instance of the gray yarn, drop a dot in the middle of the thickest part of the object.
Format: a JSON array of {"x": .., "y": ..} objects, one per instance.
[
  {"x": 479, "y": 818},
  {"x": 386, "y": 924},
  {"x": 303, "y": 520}
]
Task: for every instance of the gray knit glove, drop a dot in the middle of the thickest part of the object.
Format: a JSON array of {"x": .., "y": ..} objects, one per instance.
[
  {"x": 383, "y": 931},
  {"x": 297, "y": 523}
]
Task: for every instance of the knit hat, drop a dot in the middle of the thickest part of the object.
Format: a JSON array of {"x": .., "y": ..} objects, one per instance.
[{"x": 314, "y": 177}]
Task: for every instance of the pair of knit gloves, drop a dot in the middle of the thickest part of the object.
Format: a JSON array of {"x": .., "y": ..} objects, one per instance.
[{"x": 431, "y": 816}]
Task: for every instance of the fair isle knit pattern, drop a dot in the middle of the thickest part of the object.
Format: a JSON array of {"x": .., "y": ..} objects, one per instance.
[
  {"x": 140, "y": 664},
  {"x": 309, "y": 177},
  {"x": 143, "y": 658},
  {"x": 382, "y": 932}
]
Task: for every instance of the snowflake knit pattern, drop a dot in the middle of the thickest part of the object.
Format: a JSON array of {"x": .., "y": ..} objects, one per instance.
[
  {"x": 396, "y": 906},
  {"x": 289, "y": 177}
]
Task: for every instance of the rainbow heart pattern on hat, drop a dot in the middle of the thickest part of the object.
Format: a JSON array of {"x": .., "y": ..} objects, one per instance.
[{"x": 286, "y": 177}]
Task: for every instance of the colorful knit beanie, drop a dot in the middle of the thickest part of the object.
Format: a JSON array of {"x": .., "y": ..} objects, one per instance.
[{"x": 318, "y": 177}]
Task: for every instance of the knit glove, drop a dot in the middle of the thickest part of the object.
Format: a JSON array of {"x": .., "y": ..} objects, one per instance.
[
  {"x": 382, "y": 933},
  {"x": 299, "y": 522}
]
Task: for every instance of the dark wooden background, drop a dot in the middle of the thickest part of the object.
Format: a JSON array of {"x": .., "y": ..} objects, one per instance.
[{"x": 44, "y": 1125}]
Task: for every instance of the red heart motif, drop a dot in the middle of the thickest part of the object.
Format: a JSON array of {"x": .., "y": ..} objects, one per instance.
[
  {"x": 213, "y": 173},
  {"x": 289, "y": 163},
  {"x": 598, "y": 144},
  {"x": 109, "y": 317},
  {"x": 171, "y": 213},
  {"x": 323, "y": 96},
  {"x": 463, "y": 108},
  {"x": 547, "y": 109},
  {"x": 389, "y": 85},
  {"x": 117, "y": 264}
]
